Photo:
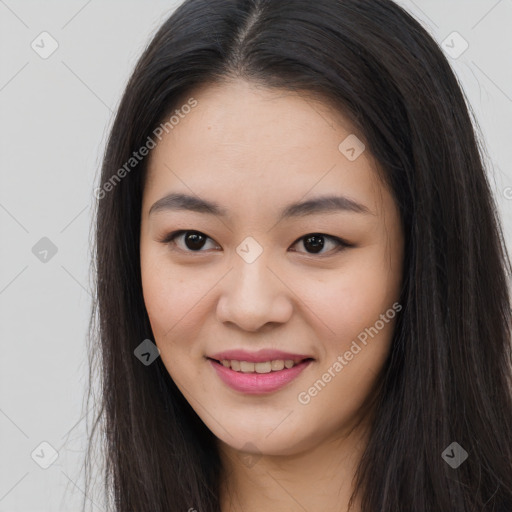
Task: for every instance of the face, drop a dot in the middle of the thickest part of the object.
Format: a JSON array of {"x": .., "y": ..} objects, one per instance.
[{"x": 316, "y": 285}]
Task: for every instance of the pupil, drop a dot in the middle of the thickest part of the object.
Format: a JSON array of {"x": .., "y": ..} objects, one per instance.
[
  {"x": 316, "y": 241},
  {"x": 194, "y": 240}
]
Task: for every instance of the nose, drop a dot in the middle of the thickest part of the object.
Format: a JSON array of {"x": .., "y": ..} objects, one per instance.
[{"x": 253, "y": 295}]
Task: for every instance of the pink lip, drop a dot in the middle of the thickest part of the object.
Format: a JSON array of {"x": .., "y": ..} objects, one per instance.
[
  {"x": 258, "y": 383},
  {"x": 258, "y": 357}
]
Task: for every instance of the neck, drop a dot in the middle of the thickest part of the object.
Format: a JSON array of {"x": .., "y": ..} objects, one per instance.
[{"x": 318, "y": 478}]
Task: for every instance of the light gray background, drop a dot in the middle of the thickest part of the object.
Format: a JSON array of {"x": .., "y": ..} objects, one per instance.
[{"x": 55, "y": 114}]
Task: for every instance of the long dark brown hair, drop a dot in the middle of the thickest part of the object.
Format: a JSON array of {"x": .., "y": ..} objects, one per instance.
[{"x": 448, "y": 377}]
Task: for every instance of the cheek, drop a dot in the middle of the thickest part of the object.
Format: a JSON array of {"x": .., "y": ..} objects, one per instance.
[
  {"x": 357, "y": 306},
  {"x": 167, "y": 303},
  {"x": 177, "y": 303},
  {"x": 353, "y": 298},
  {"x": 167, "y": 294}
]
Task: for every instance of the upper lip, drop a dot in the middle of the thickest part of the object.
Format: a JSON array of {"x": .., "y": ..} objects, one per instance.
[{"x": 258, "y": 357}]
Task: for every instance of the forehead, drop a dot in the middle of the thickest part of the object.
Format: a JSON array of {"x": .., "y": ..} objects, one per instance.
[{"x": 252, "y": 146}]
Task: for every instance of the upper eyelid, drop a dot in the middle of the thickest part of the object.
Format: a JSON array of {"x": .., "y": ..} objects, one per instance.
[{"x": 170, "y": 237}]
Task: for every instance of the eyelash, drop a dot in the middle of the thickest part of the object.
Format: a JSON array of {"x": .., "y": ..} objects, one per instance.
[{"x": 170, "y": 237}]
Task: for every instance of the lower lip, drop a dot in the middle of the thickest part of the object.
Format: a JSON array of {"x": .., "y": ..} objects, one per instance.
[{"x": 258, "y": 383}]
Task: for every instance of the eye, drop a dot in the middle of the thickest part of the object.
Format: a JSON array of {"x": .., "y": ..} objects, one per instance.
[
  {"x": 315, "y": 242},
  {"x": 194, "y": 241}
]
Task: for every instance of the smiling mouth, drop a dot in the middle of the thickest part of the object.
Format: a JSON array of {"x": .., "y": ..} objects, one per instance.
[{"x": 270, "y": 366}]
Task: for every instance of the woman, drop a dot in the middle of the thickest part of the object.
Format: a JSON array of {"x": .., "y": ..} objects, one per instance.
[{"x": 247, "y": 366}]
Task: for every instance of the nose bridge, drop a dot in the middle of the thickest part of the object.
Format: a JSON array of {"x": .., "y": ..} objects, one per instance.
[
  {"x": 253, "y": 295},
  {"x": 251, "y": 262},
  {"x": 252, "y": 273},
  {"x": 252, "y": 282}
]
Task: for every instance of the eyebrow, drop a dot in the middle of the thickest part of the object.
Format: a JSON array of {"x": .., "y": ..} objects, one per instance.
[{"x": 323, "y": 204}]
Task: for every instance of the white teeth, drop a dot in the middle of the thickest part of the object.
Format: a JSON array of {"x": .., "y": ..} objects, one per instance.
[
  {"x": 263, "y": 367},
  {"x": 246, "y": 367},
  {"x": 277, "y": 365}
]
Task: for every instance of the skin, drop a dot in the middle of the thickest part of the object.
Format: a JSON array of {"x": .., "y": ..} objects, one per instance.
[{"x": 279, "y": 454}]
